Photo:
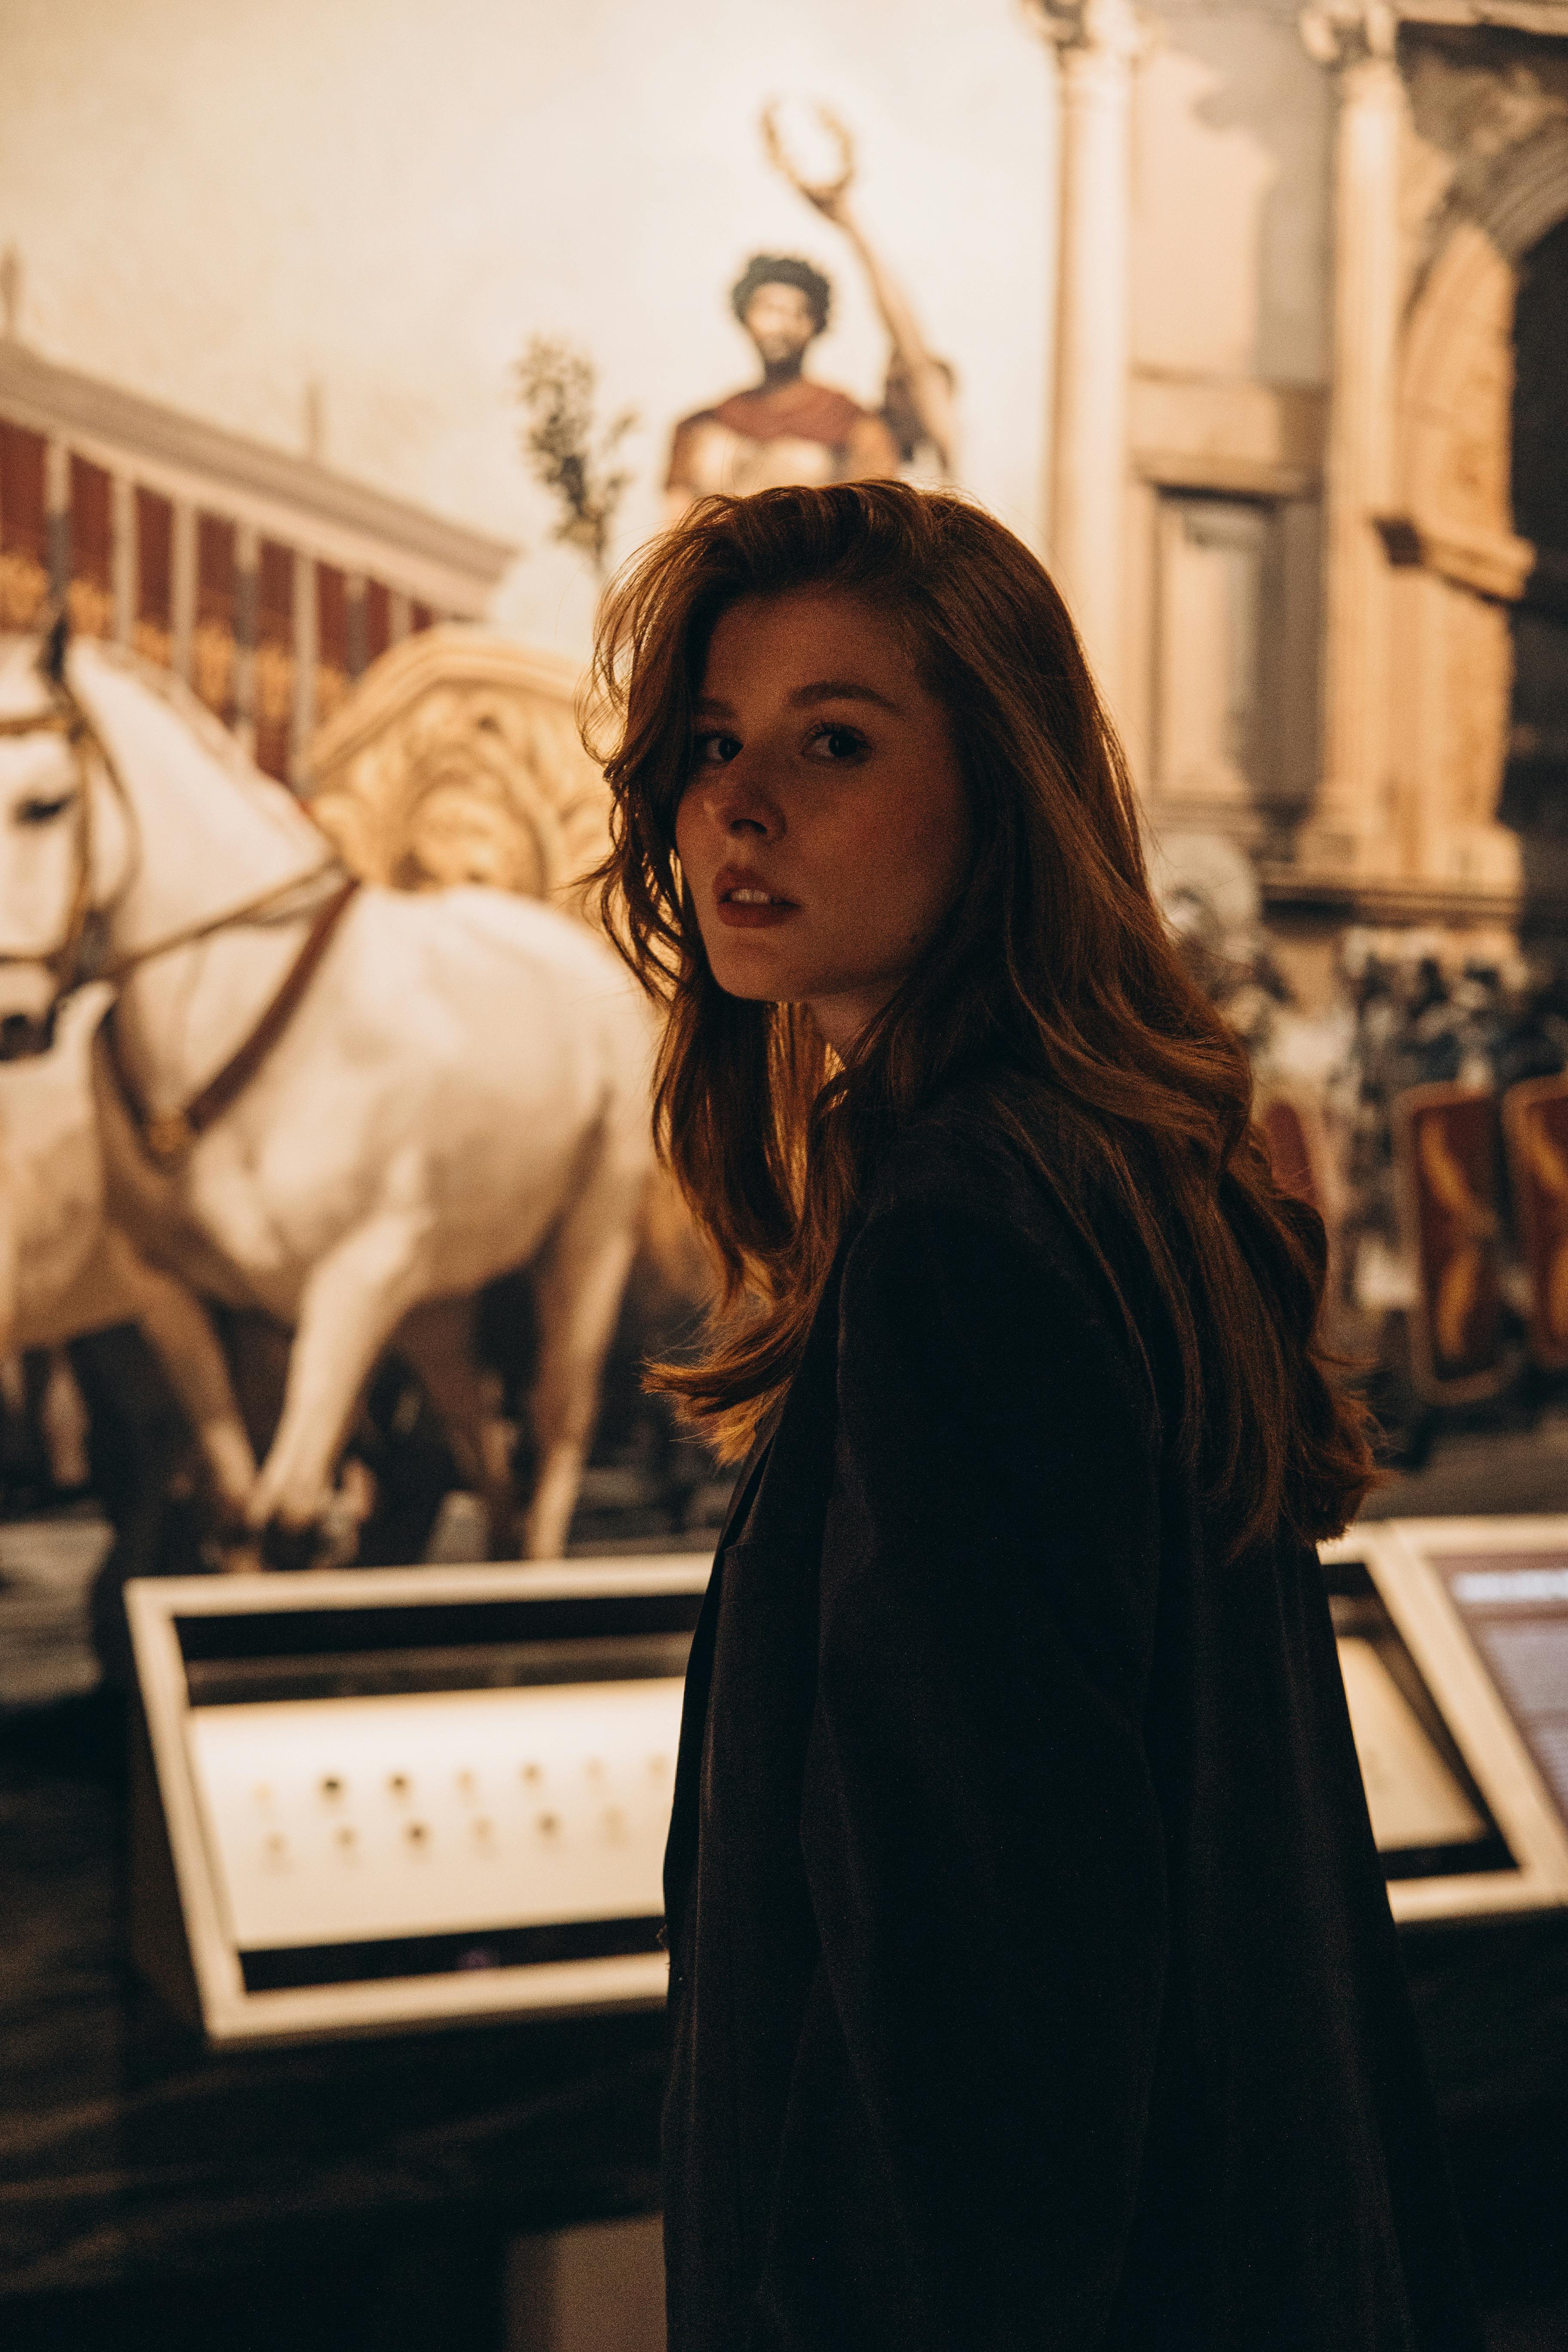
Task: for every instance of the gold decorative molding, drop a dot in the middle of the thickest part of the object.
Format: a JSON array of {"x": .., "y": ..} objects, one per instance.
[{"x": 457, "y": 758}]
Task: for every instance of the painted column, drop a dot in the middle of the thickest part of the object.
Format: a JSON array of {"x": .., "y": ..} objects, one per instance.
[
  {"x": 358, "y": 645},
  {"x": 57, "y": 516},
  {"x": 1096, "y": 43},
  {"x": 307, "y": 653},
  {"x": 1349, "y": 831},
  {"x": 246, "y": 558},
  {"x": 182, "y": 599},
  {"x": 123, "y": 565}
]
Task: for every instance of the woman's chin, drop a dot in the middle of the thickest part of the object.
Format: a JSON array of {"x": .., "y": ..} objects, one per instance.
[{"x": 748, "y": 964}]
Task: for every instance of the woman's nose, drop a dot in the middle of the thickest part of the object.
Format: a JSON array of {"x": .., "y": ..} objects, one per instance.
[{"x": 739, "y": 802}]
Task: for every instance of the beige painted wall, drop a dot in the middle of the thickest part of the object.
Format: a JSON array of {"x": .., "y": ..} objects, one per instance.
[
  {"x": 1230, "y": 256},
  {"x": 216, "y": 202}
]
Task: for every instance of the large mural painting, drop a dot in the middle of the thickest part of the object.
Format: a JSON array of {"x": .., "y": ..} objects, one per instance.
[{"x": 336, "y": 512}]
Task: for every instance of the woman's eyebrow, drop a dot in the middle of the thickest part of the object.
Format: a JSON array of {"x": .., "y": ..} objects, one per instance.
[
  {"x": 841, "y": 689},
  {"x": 824, "y": 689}
]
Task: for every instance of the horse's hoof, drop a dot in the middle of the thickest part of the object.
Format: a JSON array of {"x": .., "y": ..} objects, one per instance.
[{"x": 290, "y": 1550}]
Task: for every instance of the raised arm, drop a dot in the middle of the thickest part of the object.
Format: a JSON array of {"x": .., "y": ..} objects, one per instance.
[
  {"x": 930, "y": 386},
  {"x": 981, "y": 1839}
]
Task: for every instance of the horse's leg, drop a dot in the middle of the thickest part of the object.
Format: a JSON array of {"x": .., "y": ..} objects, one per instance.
[
  {"x": 437, "y": 1340},
  {"x": 581, "y": 1276},
  {"x": 175, "y": 1327},
  {"x": 63, "y": 1424},
  {"x": 355, "y": 1299},
  {"x": 138, "y": 1442}
]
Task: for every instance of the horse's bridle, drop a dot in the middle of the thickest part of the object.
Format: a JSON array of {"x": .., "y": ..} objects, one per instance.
[
  {"x": 63, "y": 715},
  {"x": 66, "y": 963}
]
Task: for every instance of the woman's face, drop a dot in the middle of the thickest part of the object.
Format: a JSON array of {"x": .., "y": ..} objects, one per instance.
[{"x": 823, "y": 832}]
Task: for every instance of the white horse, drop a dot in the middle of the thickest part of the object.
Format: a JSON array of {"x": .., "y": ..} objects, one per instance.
[
  {"x": 460, "y": 1086},
  {"x": 65, "y": 1271}
]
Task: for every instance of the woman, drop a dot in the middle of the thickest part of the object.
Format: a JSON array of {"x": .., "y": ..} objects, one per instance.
[{"x": 1032, "y": 1981}]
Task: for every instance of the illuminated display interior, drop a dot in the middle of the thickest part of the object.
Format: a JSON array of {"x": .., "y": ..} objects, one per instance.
[{"x": 335, "y": 1820}]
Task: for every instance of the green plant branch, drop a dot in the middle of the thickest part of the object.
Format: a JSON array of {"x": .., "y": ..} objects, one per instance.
[{"x": 564, "y": 452}]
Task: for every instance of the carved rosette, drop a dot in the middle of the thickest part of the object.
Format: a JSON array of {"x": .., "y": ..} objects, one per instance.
[{"x": 457, "y": 758}]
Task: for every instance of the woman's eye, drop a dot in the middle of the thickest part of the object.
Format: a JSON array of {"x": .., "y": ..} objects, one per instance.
[
  {"x": 833, "y": 745},
  {"x": 714, "y": 750}
]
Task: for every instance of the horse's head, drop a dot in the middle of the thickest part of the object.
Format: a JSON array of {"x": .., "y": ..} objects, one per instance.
[{"x": 62, "y": 838}]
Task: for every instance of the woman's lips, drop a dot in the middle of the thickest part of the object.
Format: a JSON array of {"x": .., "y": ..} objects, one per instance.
[{"x": 746, "y": 905}]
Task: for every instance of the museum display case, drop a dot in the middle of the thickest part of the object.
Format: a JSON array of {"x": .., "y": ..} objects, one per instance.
[
  {"x": 1463, "y": 1747},
  {"x": 385, "y": 1799}
]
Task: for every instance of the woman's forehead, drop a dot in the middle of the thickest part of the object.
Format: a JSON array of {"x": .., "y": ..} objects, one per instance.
[{"x": 801, "y": 629}]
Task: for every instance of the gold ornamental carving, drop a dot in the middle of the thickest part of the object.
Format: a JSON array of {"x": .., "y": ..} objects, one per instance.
[
  {"x": 92, "y": 608},
  {"x": 332, "y": 687},
  {"x": 214, "y": 659},
  {"x": 274, "y": 686},
  {"x": 24, "y": 590},
  {"x": 154, "y": 643},
  {"x": 457, "y": 758}
]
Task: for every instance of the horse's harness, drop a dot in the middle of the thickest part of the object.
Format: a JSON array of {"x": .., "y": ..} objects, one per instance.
[{"x": 167, "y": 1136}]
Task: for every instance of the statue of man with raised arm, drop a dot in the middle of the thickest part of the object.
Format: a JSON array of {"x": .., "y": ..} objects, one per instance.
[{"x": 789, "y": 428}]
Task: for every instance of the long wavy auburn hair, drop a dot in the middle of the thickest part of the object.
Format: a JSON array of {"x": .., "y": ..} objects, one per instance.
[{"x": 1054, "y": 970}]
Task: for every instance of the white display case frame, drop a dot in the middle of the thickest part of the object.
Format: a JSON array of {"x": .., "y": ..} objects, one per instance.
[
  {"x": 1398, "y": 1555},
  {"x": 182, "y": 1938}
]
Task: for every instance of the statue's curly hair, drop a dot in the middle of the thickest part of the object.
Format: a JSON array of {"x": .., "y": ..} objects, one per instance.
[{"x": 783, "y": 270}]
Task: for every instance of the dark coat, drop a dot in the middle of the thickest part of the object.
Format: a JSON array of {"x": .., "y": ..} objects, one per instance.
[{"x": 1033, "y": 1978}]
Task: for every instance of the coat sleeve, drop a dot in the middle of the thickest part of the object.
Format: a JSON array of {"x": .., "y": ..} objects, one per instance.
[{"x": 981, "y": 1839}]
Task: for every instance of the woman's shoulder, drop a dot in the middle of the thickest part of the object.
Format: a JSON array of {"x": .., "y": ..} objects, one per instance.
[
  {"x": 990, "y": 1144},
  {"x": 993, "y": 1154},
  {"x": 982, "y": 1215}
]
